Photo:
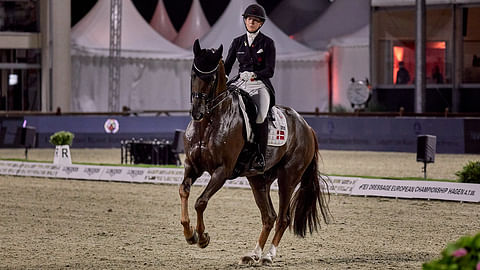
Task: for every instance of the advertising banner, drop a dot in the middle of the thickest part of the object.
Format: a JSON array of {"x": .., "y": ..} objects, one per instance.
[
  {"x": 357, "y": 186},
  {"x": 418, "y": 189}
]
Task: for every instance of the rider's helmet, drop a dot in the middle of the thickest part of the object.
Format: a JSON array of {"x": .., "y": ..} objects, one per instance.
[{"x": 256, "y": 11}]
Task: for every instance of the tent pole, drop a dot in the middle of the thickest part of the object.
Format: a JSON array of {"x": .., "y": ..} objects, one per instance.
[
  {"x": 114, "y": 55},
  {"x": 420, "y": 57}
]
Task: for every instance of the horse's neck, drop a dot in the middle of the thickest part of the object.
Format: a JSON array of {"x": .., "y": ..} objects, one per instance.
[
  {"x": 222, "y": 79},
  {"x": 226, "y": 112},
  {"x": 228, "y": 106}
]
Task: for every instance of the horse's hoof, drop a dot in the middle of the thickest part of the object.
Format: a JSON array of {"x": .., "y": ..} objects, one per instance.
[
  {"x": 194, "y": 239},
  {"x": 204, "y": 241},
  {"x": 267, "y": 260},
  {"x": 247, "y": 260}
]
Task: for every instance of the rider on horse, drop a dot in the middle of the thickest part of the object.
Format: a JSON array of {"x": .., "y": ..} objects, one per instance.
[{"x": 255, "y": 53}]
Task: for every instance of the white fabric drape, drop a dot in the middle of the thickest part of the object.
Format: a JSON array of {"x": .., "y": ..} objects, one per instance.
[
  {"x": 155, "y": 74},
  {"x": 350, "y": 56},
  {"x": 145, "y": 84}
]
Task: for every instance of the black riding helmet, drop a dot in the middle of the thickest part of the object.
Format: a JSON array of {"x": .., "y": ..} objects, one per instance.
[{"x": 256, "y": 11}]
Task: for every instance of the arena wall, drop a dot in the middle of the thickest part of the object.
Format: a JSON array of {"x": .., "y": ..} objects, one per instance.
[{"x": 398, "y": 134}]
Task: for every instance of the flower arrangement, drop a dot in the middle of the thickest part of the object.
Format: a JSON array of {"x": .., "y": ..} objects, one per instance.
[
  {"x": 463, "y": 255},
  {"x": 62, "y": 138}
]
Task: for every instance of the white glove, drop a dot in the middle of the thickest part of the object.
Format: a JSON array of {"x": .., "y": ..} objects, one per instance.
[{"x": 247, "y": 75}]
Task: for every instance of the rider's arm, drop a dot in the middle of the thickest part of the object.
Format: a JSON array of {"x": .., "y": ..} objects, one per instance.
[{"x": 269, "y": 55}]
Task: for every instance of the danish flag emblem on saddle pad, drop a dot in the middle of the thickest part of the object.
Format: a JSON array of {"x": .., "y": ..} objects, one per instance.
[{"x": 277, "y": 130}]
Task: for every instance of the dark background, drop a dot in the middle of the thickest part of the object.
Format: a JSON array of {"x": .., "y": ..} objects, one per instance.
[{"x": 177, "y": 9}]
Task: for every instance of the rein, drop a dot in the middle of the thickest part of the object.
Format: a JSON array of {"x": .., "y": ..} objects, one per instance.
[{"x": 225, "y": 95}]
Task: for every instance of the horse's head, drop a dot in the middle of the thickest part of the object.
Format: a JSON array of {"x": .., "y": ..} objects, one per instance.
[{"x": 205, "y": 78}]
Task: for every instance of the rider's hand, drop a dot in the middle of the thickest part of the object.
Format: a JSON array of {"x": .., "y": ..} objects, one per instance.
[{"x": 247, "y": 75}]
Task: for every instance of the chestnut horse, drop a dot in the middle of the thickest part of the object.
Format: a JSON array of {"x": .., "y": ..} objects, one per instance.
[{"x": 213, "y": 142}]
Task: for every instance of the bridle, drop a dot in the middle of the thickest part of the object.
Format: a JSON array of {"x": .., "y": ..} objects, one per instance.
[{"x": 209, "y": 100}]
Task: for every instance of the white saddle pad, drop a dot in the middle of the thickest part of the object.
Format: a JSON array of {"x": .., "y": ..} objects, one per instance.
[{"x": 277, "y": 130}]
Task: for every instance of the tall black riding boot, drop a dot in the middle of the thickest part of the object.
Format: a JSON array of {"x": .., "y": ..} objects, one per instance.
[{"x": 261, "y": 139}]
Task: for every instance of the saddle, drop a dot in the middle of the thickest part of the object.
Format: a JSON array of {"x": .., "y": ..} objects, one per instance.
[{"x": 277, "y": 129}]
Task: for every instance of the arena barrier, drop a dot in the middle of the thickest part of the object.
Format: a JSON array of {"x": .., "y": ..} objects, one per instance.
[
  {"x": 355, "y": 186},
  {"x": 368, "y": 133}
]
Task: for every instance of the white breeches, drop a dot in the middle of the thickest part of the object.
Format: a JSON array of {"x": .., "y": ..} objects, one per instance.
[{"x": 259, "y": 93}]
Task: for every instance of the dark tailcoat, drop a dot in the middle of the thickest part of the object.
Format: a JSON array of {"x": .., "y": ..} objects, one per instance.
[{"x": 258, "y": 58}]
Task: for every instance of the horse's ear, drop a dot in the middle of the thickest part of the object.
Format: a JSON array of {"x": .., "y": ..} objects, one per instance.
[
  {"x": 219, "y": 51},
  {"x": 196, "y": 47}
]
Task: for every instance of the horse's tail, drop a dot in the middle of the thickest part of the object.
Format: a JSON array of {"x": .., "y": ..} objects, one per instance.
[{"x": 304, "y": 203}]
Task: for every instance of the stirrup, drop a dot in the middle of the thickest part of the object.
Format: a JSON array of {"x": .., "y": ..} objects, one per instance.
[{"x": 258, "y": 163}]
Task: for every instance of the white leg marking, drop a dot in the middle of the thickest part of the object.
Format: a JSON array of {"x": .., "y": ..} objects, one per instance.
[
  {"x": 256, "y": 253},
  {"x": 252, "y": 256},
  {"x": 268, "y": 258}
]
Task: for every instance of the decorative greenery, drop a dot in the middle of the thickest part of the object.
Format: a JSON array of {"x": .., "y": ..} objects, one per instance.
[
  {"x": 62, "y": 138},
  {"x": 470, "y": 173},
  {"x": 462, "y": 255}
]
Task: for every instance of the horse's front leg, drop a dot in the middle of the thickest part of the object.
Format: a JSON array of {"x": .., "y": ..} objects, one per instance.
[
  {"x": 216, "y": 182},
  {"x": 184, "y": 191}
]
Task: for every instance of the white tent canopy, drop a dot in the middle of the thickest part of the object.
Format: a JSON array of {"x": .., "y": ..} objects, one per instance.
[
  {"x": 359, "y": 38},
  {"x": 161, "y": 22},
  {"x": 350, "y": 59},
  {"x": 138, "y": 39},
  {"x": 195, "y": 26},
  {"x": 292, "y": 16},
  {"x": 155, "y": 74},
  {"x": 230, "y": 25},
  {"x": 301, "y": 74},
  {"x": 332, "y": 23}
]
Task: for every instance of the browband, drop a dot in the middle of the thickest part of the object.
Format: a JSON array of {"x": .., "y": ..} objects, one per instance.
[{"x": 204, "y": 72}]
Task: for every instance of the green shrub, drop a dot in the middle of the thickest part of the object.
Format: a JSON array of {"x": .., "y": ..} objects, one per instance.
[
  {"x": 470, "y": 173},
  {"x": 462, "y": 255},
  {"x": 62, "y": 138}
]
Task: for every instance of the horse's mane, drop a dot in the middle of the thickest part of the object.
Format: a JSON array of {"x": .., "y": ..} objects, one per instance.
[{"x": 222, "y": 79}]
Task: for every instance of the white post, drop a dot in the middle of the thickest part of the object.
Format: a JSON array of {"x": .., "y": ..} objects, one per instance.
[{"x": 62, "y": 155}]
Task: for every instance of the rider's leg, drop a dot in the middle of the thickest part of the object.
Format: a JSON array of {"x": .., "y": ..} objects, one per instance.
[
  {"x": 262, "y": 100},
  {"x": 261, "y": 138}
]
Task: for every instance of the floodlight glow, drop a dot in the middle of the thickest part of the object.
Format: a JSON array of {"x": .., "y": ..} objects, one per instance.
[{"x": 12, "y": 79}]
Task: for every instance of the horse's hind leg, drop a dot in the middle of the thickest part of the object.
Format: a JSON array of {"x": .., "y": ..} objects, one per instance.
[
  {"x": 261, "y": 192},
  {"x": 288, "y": 178},
  {"x": 184, "y": 191}
]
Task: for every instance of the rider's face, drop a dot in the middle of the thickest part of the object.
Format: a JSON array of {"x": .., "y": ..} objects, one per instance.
[{"x": 252, "y": 24}]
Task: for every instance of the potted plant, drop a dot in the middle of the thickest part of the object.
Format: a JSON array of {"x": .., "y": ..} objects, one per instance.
[{"x": 62, "y": 141}]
